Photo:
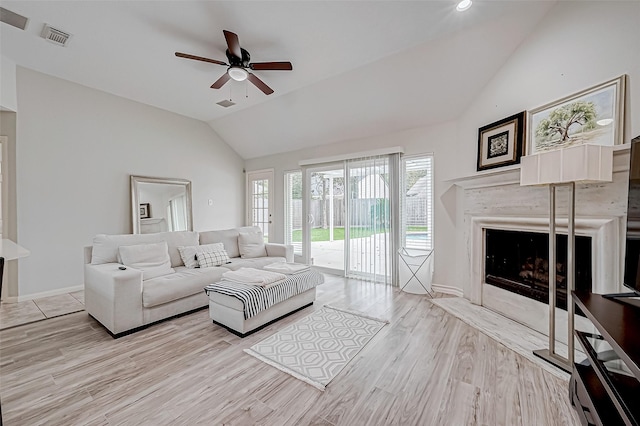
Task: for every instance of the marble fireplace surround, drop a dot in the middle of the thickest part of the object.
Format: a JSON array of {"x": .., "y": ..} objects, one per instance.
[
  {"x": 495, "y": 200},
  {"x": 604, "y": 233}
]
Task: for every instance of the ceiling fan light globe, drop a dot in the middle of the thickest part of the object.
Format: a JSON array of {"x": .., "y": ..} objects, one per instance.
[
  {"x": 238, "y": 74},
  {"x": 463, "y": 5}
]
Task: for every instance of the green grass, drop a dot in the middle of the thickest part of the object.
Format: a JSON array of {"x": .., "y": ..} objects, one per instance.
[
  {"x": 320, "y": 234},
  {"x": 417, "y": 228}
]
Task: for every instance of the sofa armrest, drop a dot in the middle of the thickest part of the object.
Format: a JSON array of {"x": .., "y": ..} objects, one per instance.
[
  {"x": 280, "y": 250},
  {"x": 114, "y": 296}
]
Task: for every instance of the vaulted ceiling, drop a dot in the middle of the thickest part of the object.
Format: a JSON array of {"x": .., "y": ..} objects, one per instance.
[{"x": 360, "y": 68}]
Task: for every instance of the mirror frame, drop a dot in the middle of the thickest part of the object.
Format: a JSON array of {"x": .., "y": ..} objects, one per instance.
[{"x": 135, "y": 198}]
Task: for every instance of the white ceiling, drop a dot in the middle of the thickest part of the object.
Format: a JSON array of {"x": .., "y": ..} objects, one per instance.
[{"x": 360, "y": 68}]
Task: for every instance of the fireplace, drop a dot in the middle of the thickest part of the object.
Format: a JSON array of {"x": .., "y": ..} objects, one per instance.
[
  {"x": 605, "y": 248},
  {"x": 518, "y": 261}
]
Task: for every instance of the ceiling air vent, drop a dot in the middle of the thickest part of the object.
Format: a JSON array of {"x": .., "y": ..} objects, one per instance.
[
  {"x": 226, "y": 103},
  {"x": 55, "y": 36},
  {"x": 12, "y": 18}
]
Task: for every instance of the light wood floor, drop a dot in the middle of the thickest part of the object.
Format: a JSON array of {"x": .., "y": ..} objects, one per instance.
[
  {"x": 425, "y": 368},
  {"x": 15, "y": 314}
]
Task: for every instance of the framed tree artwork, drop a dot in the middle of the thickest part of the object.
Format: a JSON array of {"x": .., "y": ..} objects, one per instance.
[
  {"x": 501, "y": 143},
  {"x": 593, "y": 116}
]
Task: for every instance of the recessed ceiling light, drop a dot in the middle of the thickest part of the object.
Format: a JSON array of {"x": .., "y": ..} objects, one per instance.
[
  {"x": 464, "y": 5},
  {"x": 604, "y": 121}
]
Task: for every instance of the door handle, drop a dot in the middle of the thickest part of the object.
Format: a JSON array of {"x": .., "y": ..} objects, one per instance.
[{"x": 310, "y": 218}]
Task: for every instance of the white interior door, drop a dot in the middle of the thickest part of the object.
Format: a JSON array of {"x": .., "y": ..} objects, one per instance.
[{"x": 260, "y": 201}]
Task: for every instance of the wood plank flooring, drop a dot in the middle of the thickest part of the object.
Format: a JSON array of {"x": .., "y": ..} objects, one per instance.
[
  {"x": 425, "y": 368},
  {"x": 15, "y": 314}
]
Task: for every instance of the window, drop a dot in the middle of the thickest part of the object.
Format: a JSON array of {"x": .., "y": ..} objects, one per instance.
[
  {"x": 417, "y": 202},
  {"x": 293, "y": 210}
]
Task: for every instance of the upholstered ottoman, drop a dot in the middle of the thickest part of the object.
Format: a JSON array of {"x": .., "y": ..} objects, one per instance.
[{"x": 243, "y": 309}]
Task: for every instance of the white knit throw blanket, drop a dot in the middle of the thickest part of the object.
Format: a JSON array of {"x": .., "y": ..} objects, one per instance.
[
  {"x": 287, "y": 268},
  {"x": 253, "y": 276}
]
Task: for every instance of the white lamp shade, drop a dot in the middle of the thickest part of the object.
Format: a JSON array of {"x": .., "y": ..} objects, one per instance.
[{"x": 581, "y": 163}]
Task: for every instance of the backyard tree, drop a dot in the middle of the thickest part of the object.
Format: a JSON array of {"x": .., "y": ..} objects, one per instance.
[{"x": 561, "y": 119}]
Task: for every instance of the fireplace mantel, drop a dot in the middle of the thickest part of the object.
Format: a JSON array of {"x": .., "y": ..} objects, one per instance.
[{"x": 511, "y": 174}]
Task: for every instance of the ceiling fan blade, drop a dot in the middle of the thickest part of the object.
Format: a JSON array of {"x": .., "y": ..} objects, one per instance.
[
  {"x": 260, "y": 84},
  {"x": 221, "y": 81},
  {"x": 199, "y": 58},
  {"x": 280, "y": 66},
  {"x": 232, "y": 43}
]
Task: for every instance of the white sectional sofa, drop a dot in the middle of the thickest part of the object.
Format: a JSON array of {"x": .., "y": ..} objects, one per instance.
[{"x": 123, "y": 301}]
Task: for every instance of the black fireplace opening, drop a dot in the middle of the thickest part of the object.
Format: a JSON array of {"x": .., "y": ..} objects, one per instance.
[{"x": 519, "y": 262}]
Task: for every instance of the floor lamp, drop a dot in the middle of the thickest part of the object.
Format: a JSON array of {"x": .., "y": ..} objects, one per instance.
[{"x": 564, "y": 168}]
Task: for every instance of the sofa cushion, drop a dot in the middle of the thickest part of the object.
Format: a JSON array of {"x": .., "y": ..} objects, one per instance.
[
  {"x": 152, "y": 259},
  {"x": 188, "y": 253},
  {"x": 214, "y": 258},
  {"x": 183, "y": 283},
  {"x": 176, "y": 239},
  {"x": 228, "y": 237},
  {"x": 258, "y": 262},
  {"x": 105, "y": 247},
  {"x": 251, "y": 245}
]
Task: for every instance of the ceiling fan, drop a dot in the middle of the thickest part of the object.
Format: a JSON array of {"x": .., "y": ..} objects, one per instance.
[{"x": 239, "y": 65}]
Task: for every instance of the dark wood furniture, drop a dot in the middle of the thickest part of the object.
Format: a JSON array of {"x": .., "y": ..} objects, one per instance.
[{"x": 605, "y": 389}]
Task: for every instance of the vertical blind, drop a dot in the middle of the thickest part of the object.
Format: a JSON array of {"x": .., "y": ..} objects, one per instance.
[
  {"x": 293, "y": 210},
  {"x": 369, "y": 229}
]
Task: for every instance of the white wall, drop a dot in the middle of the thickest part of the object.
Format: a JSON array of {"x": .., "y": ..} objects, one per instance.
[
  {"x": 8, "y": 100},
  {"x": 76, "y": 148},
  {"x": 572, "y": 49}
]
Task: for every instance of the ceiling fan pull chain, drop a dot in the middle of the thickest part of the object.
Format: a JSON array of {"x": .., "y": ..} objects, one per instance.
[{"x": 246, "y": 89}]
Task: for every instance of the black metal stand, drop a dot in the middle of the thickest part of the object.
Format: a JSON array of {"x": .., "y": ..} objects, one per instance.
[{"x": 1, "y": 277}]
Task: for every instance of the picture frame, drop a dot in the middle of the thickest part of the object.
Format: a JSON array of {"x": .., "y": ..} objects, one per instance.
[
  {"x": 594, "y": 116},
  {"x": 501, "y": 143},
  {"x": 145, "y": 211}
]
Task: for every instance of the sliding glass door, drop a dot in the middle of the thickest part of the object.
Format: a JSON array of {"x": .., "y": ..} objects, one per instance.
[
  {"x": 349, "y": 227},
  {"x": 325, "y": 230}
]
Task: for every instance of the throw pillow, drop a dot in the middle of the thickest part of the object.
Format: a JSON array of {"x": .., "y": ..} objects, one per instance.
[
  {"x": 215, "y": 258},
  {"x": 188, "y": 253},
  {"x": 152, "y": 259},
  {"x": 251, "y": 244}
]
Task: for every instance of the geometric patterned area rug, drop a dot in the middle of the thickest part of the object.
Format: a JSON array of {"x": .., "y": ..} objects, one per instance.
[{"x": 316, "y": 348}]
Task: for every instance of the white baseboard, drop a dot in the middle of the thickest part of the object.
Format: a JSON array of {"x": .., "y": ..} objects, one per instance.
[
  {"x": 447, "y": 289},
  {"x": 40, "y": 295}
]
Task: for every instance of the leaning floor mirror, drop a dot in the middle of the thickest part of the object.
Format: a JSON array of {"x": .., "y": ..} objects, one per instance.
[{"x": 160, "y": 204}]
